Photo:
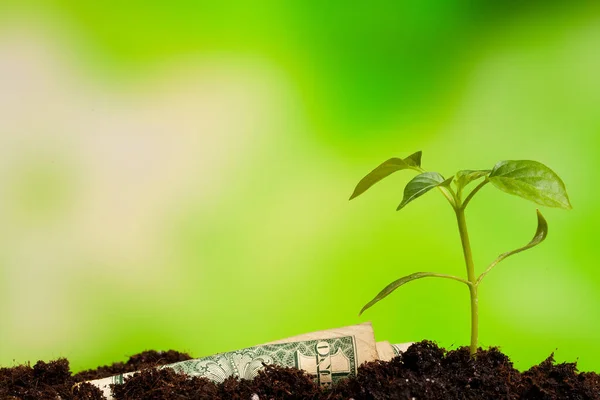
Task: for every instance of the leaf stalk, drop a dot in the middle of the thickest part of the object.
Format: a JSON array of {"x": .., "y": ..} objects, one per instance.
[{"x": 473, "y": 192}]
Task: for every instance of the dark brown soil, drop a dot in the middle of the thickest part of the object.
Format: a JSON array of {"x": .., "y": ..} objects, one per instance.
[
  {"x": 137, "y": 362},
  {"x": 424, "y": 371},
  {"x": 52, "y": 379}
]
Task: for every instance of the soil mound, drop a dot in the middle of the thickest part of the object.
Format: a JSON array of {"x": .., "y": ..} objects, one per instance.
[{"x": 423, "y": 372}]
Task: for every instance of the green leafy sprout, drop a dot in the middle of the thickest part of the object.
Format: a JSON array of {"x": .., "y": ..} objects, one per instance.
[{"x": 530, "y": 180}]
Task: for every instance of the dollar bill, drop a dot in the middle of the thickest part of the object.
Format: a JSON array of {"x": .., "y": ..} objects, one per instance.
[
  {"x": 385, "y": 351},
  {"x": 388, "y": 351},
  {"x": 327, "y": 360},
  {"x": 362, "y": 333},
  {"x": 400, "y": 348},
  {"x": 327, "y": 356}
]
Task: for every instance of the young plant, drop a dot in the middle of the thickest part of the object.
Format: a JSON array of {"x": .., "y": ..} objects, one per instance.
[{"x": 530, "y": 180}]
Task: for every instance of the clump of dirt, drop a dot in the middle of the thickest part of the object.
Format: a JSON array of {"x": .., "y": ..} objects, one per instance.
[
  {"x": 423, "y": 372},
  {"x": 271, "y": 383},
  {"x": 44, "y": 381},
  {"x": 146, "y": 359},
  {"x": 54, "y": 380},
  {"x": 164, "y": 384},
  {"x": 558, "y": 381}
]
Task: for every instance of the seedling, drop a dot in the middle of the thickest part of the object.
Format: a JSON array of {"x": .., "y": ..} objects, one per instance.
[{"x": 530, "y": 180}]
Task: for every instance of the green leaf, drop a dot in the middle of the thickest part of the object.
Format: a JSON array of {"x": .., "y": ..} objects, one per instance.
[
  {"x": 385, "y": 169},
  {"x": 414, "y": 159},
  {"x": 466, "y": 176},
  {"x": 540, "y": 235},
  {"x": 532, "y": 181},
  {"x": 395, "y": 285},
  {"x": 420, "y": 185},
  {"x": 447, "y": 182}
]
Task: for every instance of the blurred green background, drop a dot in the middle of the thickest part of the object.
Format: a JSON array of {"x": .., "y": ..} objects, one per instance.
[{"x": 176, "y": 174}]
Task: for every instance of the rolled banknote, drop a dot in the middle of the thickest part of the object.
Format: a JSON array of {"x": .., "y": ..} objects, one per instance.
[
  {"x": 400, "y": 348},
  {"x": 362, "y": 333},
  {"x": 388, "y": 351},
  {"x": 385, "y": 351},
  {"x": 328, "y": 356}
]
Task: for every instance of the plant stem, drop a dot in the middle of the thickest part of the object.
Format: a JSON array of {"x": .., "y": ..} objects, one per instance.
[
  {"x": 470, "y": 196},
  {"x": 466, "y": 245}
]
